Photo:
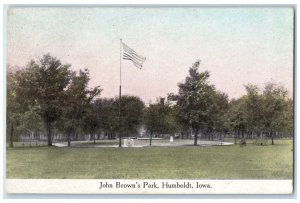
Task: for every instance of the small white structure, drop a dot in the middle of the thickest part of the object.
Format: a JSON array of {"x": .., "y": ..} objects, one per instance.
[
  {"x": 171, "y": 139},
  {"x": 128, "y": 142}
]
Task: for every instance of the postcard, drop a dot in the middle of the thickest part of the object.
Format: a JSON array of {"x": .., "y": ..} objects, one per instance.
[{"x": 149, "y": 99}]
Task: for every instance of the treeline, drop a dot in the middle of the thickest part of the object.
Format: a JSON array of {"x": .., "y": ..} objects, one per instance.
[{"x": 48, "y": 97}]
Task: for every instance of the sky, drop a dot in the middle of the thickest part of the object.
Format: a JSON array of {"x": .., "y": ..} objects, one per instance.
[{"x": 237, "y": 45}]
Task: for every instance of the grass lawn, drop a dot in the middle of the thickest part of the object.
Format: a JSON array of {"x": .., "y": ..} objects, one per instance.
[{"x": 217, "y": 162}]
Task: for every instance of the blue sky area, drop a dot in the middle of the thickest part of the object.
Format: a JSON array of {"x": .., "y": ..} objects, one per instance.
[{"x": 237, "y": 45}]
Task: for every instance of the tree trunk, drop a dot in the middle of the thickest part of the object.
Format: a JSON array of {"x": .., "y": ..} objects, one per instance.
[
  {"x": 196, "y": 138},
  {"x": 11, "y": 144},
  {"x": 94, "y": 138},
  {"x": 235, "y": 135},
  {"x": 272, "y": 137},
  {"x": 49, "y": 133},
  {"x": 150, "y": 138},
  {"x": 69, "y": 139},
  {"x": 120, "y": 139}
]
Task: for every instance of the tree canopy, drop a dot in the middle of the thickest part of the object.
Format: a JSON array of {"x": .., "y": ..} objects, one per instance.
[
  {"x": 77, "y": 107},
  {"x": 200, "y": 105},
  {"x": 47, "y": 95},
  {"x": 160, "y": 118}
]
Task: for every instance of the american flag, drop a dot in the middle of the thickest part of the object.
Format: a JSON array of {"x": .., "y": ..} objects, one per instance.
[{"x": 130, "y": 54}]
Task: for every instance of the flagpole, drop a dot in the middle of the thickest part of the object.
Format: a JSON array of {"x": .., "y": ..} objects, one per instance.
[{"x": 120, "y": 139}]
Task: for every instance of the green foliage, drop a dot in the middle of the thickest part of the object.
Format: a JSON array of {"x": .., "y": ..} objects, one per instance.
[
  {"x": 21, "y": 111},
  {"x": 216, "y": 112},
  {"x": 200, "y": 106},
  {"x": 159, "y": 118},
  {"x": 42, "y": 83},
  {"x": 77, "y": 108},
  {"x": 270, "y": 111},
  {"x": 173, "y": 120},
  {"x": 289, "y": 116},
  {"x": 254, "y": 108},
  {"x": 90, "y": 123},
  {"x": 275, "y": 107},
  {"x": 107, "y": 114},
  {"x": 12, "y": 108},
  {"x": 131, "y": 112},
  {"x": 49, "y": 90},
  {"x": 29, "y": 122},
  {"x": 50, "y": 78},
  {"x": 236, "y": 116}
]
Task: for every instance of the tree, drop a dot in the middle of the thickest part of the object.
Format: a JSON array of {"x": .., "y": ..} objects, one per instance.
[
  {"x": 10, "y": 106},
  {"x": 235, "y": 117},
  {"x": 216, "y": 111},
  {"x": 289, "y": 116},
  {"x": 158, "y": 118},
  {"x": 131, "y": 114},
  {"x": 29, "y": 122},
  {"x": 177, "y": 123},
  {"x": 42, "y": 83},
  {"x": 77, "y": 107},
  {"x": 275, "y": 104},
  {"x": 107, "y": 115},
  {"x": 21, "y": 110},
  {"x": 173, "y": 120},
  {"x": 195, "y": 100},
  {"x": 267, "y": 111},
  {"x": 254, "y": 108},
  {"x": 107, "y": 112},
  {"x": 91, "y": 121}
]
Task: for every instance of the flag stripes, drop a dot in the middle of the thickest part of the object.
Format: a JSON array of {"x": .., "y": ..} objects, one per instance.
[{"x": 130, "y": 54}]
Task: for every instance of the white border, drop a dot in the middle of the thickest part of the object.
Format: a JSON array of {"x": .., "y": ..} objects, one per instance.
[
  {"x": 179, "y": 2},
  {"x": 147, "y": 186}
]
